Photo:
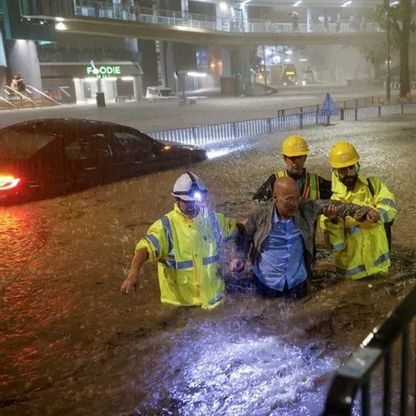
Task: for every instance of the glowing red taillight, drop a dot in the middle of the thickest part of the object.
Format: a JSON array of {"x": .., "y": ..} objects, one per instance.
[{"x": 8, "y": 182}]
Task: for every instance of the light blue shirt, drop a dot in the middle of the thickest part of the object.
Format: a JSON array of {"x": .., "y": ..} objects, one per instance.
[{"x": 281, "y": 259}]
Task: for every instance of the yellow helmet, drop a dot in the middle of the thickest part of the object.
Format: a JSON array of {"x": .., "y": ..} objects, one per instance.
[
  {"x": 343, "y": 154},
  {"x": 294, "y": 146}
]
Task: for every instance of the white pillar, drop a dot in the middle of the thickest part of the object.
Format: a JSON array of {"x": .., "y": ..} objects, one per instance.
[
  {"x": 185, "y": 9},
  {"x": 309, "y": 28}
]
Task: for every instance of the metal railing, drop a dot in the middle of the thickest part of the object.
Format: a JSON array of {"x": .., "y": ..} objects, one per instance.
[
  {"x": 286, "y": 119},
  {"x": 356, "y": 374},
  {"x": 108, "y": 10},
  {"x": 12, "y": 92},
  {"x": 32, "y": 90}
]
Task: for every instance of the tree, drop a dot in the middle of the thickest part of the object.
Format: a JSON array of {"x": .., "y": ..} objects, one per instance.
[{"x": 397, "y": 20}]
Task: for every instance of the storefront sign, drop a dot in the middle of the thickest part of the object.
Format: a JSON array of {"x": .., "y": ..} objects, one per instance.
[{"x": 103, "y": 71}]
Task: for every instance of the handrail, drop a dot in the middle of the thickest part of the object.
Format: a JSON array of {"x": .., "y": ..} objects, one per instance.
[
  {"x": 7, "y": 101},
  {"x": 43, "y": 94},
  {"x": 355, "y": 373},
  {"x": 14, "y": 91}
]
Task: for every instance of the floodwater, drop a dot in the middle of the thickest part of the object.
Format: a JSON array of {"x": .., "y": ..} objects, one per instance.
[{"x": 71, "y": 344}]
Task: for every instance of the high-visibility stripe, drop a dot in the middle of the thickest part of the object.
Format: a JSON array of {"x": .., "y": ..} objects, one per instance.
[
  {"x": 186, "y": 264},
  {"x": 313, "y": 184},
  {"x": 338, "y": 246},
  {"x": 382, "y": 259},
  {"x": 350, "y": 272},
  {"x": 389, "y": 202},
  {"x": 215, "y": 227},
  {"x": 216, "y": 298},
  {"x": 384, "y": 214},
  {"x": 170, "y": 260},
  {"x": 353, "y": 230},
  {"x": 154, "y": 242},
  {"x": 231, "y": 237},
  {"x": 210, "y": 260}
]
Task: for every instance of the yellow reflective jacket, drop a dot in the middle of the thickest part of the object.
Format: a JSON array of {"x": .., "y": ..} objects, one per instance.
[
  {"x": 187, "y": 254},
  {"x": 361, "y": 248}
]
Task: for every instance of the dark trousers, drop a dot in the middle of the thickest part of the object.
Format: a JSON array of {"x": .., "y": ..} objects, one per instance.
[{"x": 297, "y": 292}]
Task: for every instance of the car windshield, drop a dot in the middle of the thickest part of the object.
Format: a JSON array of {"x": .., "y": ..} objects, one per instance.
[{"x": 19, "y": 144}]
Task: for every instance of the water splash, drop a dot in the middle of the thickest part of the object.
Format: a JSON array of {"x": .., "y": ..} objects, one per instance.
[{"x": 224, "y": 371}]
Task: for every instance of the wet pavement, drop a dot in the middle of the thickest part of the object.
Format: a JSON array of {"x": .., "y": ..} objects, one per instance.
[{"x": 71, "y": 344}]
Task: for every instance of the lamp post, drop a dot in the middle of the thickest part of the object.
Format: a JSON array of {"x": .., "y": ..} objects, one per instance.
[
  {"x": 242, "y": 52},
  {"x": 388, "y": 92}
]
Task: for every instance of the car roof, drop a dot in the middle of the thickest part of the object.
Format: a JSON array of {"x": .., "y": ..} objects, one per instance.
[{"x": 66, "y": 121}]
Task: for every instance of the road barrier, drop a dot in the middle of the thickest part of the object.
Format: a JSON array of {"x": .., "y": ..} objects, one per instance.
[
  {"x": 287, "y": 119},
  {"x": 362, "y": 371}
]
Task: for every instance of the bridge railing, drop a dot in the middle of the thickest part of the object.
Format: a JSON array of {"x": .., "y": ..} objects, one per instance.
[
  {"x": 285, "y": 120},
  {"x": 372, "y": 365},
  {"x": 89, "y": 8}
]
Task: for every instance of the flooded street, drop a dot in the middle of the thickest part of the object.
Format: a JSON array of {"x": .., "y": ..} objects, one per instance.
[{"x": 71, "y": 344}]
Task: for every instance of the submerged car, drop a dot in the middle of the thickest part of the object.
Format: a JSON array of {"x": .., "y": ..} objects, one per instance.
[
  {"x": 160, "y": 93},
  {"x": 42, "y": 158}
]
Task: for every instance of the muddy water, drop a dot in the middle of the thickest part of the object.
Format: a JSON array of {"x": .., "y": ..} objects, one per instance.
[{"x": 70, "y": 344}]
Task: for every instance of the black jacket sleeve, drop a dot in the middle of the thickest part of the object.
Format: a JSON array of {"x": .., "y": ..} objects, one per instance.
[
  {"x": 325, "y": 188},
  {"x": 265, "y": 192}
]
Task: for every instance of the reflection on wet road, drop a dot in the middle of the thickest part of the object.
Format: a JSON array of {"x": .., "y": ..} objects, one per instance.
[{"x": 71, "y": 344}]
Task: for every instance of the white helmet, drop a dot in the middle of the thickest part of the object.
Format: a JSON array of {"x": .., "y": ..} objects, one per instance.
[{"x": 189, "y": 187}]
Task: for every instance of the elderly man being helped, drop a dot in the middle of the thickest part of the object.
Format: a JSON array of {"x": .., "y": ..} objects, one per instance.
[{"x": 281, "y": 239}]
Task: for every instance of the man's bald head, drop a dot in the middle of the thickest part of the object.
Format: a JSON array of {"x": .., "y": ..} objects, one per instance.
[
  {"x": 285, "y": 185},
  {"x": 286, "y": 195}
]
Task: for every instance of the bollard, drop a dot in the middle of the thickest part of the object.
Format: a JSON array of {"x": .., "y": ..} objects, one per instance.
[
  {"x": 342, "y": 114},
  {"x": 379, "y": 110},
  {"x": 355, "y": 113},
  {"x": 100, "y": 99}
]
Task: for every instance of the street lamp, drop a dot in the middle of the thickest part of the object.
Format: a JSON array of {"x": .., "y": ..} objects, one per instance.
[{"x": 388, "y": 92}]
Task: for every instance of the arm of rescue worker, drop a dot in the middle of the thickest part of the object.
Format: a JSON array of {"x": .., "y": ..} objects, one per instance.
[
  {"x": 333, "y": 209},
  {"x": 265, "y": 192},
  {"x": 325, "y": 188},
  {"x": 137, "y": 263},
  {"x": 228, "y": 227},
  {"x": 333, "y": 219},
  {"x": 152, "y": 247},
  {"x": 384, "y": 202}
]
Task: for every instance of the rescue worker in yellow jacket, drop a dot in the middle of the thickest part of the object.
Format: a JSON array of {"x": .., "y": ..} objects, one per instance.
[
  {"x": 185, "y": 243},
  {"x": 312, "y": 186},
  {"x": 361, "y": 248}
]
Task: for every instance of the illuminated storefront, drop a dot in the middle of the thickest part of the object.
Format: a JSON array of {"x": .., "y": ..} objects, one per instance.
[{"x": 79, "y": 83}]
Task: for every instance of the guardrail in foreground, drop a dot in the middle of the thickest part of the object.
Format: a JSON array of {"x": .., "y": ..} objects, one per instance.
[
  {"x": 285, "y": 120},
  {"x": 356, "y": 374}
]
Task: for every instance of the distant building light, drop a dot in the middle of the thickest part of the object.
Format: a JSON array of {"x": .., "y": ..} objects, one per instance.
[
  {"x": 59, "y": 19},
  {"x": 303, "y": 59},
  {"x": 223, "y": 6},
  {"x": 297, "y": 3},
  {"x": 347, "y": 3},
  {"x": 287, "y": 60},
  {"x": 289, "y": 52},
  {"x": 127, "y": 78},
  {"x": 61, "y": 26},
  {"x": 394, "y": 3}
]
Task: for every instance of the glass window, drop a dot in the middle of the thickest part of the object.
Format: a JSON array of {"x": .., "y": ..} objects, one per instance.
[
  {"x": 80, "y": 149},
  {"x": 131, "y": 142},
  {"x": 16, "y": 143}
]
